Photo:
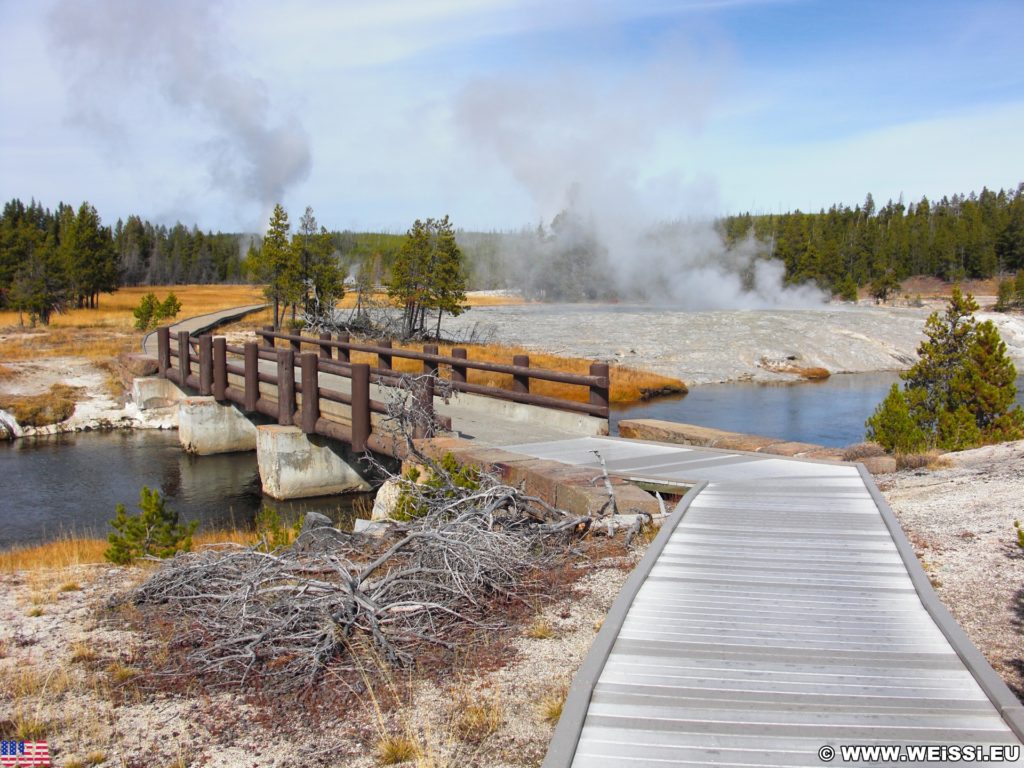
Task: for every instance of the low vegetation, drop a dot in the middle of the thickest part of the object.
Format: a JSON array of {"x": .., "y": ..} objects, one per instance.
[
  {"x": 151, "y": 311},
  {"x": 53, "y": 407},
  {"x": 154, "y": 532},
  {"x": 958, "y": 395}
]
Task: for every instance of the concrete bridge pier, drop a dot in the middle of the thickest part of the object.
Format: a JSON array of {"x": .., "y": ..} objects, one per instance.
[
  {"x": 294, "y": 465},
  {"x": 207, "y": 427}
]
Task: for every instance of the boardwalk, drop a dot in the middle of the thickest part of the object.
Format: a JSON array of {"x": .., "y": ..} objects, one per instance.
[
  {"x": 781, "y": 609},
  {"x": 201, "y": 324}
]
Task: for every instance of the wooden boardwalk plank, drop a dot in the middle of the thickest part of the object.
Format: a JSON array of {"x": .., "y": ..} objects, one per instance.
[{"x": 779, "y": 610}]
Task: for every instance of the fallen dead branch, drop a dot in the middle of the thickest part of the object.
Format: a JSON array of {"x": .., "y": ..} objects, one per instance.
[{"x": 282, "y": 619}]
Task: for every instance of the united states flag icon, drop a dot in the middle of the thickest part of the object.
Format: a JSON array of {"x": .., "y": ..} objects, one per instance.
[{"x": 24, "y": 753}]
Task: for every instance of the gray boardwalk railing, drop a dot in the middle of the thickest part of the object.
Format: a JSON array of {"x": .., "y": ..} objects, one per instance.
[{"x": 781, "y": 609}]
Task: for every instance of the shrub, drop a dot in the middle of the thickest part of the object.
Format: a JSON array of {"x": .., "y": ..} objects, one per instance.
[
  {"x": 151, "y": 311},
  {"x": 272, "y": 532},
  {"x": 959, "y": 394},
  {"x": 153, "y": 532},
  {"x": 892, "y": 426},
  {"x": 448, "y": 480},
  {"x": 1020, "y": 533}
]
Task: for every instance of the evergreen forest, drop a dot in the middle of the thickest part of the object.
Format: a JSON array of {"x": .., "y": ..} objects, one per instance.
[{"x": 67, "y": 256}]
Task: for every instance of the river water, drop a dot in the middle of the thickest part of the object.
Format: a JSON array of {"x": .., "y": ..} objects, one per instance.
[
  {"x": 71, "y": 483},
  {"x": 830, "y": 412}
]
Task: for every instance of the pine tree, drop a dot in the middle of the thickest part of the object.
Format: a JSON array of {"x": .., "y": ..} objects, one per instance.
[
  {"x": 959, "y": 394},
  {"x": 153, "y": 532},
  {"x": 275, "y": 264},
  {"x": 428, "y": 274}
]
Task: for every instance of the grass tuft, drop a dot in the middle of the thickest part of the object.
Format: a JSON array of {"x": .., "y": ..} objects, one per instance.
[
  {"x": 392, "y": 750},
  {"x": 70, "y": 586},
  {"x": 82, "y": 652},
  {"x": 475, "y": 720},
  {"x": 551, "y": 703},
  {"x": 36, "y": 611},
  {"x": 540, "y": 629}
]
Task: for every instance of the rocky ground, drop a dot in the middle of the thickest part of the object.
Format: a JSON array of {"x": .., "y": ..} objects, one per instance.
[
  {"x": 69, "y": 672},
  {"x": 960, "y": 521},
  {"x": 710, "y": 347}
]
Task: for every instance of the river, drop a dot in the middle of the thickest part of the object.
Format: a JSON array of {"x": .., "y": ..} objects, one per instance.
[
  {"x": 71, "y": 483},
  {"x": 828, "y": 412}
]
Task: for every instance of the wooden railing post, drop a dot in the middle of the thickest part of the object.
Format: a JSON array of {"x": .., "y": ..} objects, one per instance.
[
  {"x": 295, "y": 345},
  {"x": 220, "y": 368},
  {"x": 285, "y": 387},
  {"x": 429, "y": 367},
  {"x": 521, "y": 383},
  {"x": 384, "y": 360},
  {"x": 310, "y": 366},
  {"x": 360, "y": 406},
  {"x": 252, "y": 375},
  {"x": 343, "y": 354},
  {"x": 184, "y": 358},
  {"x": 459, "y": 371},
  {"x": 325, "y": 351},
  {"x": 267, "y": 342},
  {"x": 205, "y": 364},
  {"x": 599, "y": 395},
  {"x": 163, "y": 350},
  {"x": 424, "y": 395}
]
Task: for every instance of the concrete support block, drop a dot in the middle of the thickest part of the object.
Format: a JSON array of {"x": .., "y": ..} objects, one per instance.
[
  {"x": 294, "y": 465},
  {"x": 206, "y": 427},
  {"x": 152, "y": 392},
  {"x": 575, "y": 423}
]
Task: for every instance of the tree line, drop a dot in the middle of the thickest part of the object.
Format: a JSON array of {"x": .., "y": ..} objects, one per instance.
[
  {"x": 50, "y": 260},
  {"x": 977, "y": 235}
]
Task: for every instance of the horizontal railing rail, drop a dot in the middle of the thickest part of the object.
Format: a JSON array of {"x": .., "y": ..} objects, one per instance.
[
  {"x": 293, "y": 393},
  {"x": 597, "y": 381}
]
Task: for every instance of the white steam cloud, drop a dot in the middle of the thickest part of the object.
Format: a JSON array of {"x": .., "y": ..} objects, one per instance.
[
  {"x": 596, "y": 153},
  {"x": 121, "y": 51}
]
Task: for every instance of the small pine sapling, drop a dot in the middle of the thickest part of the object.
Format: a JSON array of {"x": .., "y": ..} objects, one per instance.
[{"x": 154, "y": 532}]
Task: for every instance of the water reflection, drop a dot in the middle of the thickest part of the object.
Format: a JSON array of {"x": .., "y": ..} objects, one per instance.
[{"x": 72, "y": 483}]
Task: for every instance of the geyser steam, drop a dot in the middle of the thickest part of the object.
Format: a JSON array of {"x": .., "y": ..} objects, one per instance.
[
  {"x": 120, "y": 50},
  {"x": 586, "y": 153}
]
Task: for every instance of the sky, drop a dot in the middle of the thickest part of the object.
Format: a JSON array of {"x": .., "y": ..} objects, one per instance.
[{"x": 501, "y": 113}]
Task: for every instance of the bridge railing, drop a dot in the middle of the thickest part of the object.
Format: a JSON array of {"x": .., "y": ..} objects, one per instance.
[
  {"x": 338, "y": 349},
  {"x": 232, "y": 374}
]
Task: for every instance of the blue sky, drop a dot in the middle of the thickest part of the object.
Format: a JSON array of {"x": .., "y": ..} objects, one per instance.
[{"x": 499, "y": 112}]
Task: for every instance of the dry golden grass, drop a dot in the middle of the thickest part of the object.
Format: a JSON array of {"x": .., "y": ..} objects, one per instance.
[
  {"x": 551, "y": 703},
  {"x": 69, "y": 551},
  {"x": 474, "y": 718},
  {"x": 627, "y": 384},
  {"x": 540, "y": 629},
  {"x": 395, "y": 749},
  {"x": 40, "y": 410},
  {"x": 7, "y": 373}
]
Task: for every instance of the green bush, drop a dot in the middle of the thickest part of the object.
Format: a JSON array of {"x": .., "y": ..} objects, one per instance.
[
  {"x": 1020, "y": 533},
  {"x": 273, "y": 533},
  {"x": 959, "y": 394},
  {"x": 151, "y": 311},
  {"x": 153, "y": 532},
  {"x": 448, "y": 481}
]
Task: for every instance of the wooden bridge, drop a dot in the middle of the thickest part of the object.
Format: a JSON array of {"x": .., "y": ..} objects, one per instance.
[
  {"x": 780, "y": 613},
  {"x": 311, "y": 382}
]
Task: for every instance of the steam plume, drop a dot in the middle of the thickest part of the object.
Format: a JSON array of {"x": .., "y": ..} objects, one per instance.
[
  {"x": 586, "y": 154},
  {"x": 119, "y": 51}
]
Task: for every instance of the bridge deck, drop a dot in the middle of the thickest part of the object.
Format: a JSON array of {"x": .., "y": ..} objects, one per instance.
[{"x": 780, "y": 609}]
